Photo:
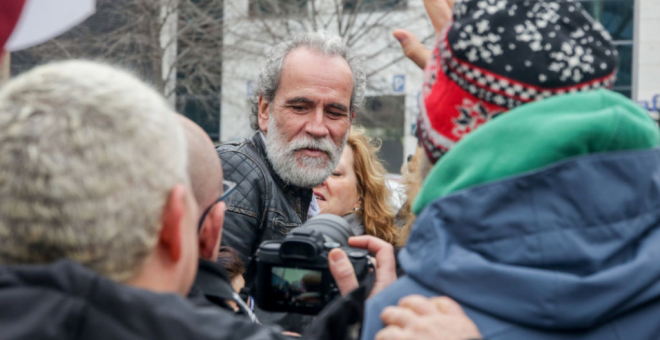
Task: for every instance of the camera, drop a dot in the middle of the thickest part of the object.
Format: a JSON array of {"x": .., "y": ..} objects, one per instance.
[{"x": 293, "y": 273}]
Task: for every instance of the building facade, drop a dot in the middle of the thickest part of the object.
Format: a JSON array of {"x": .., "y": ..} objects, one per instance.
[{"x": 395, "y": 82}]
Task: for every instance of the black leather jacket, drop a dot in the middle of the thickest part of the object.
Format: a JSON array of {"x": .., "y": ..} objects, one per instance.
[
  {"x": 212, "y": 287},
  {"x": 263, "y": 207}
]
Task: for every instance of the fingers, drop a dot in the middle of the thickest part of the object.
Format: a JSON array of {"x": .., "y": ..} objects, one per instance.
[
  {"x": 412, "y": 47},
  {"x": 419, "y": 304},
  {"x": 420, "y": 318},
  {"x": 440, "y": 12},
  {"x": 291, "y": 334},
  {"x": 385, "y": 262},
  {"x": 391, "y": 333},
  {"x": 342, "y": 270},
  {"x": 397, "y": 316},
  {"x": 448, "y": 306},
  {"x": 383, "y": 251}
]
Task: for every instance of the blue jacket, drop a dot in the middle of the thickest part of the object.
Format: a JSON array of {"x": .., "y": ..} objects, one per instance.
[{"x": 570, "y": 251}]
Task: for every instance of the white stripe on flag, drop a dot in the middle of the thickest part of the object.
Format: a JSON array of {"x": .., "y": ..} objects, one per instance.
[{"x": 42, "y": 20}]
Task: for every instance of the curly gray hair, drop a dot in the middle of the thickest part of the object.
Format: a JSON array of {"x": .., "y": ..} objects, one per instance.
[{"x": 323, "y": 42}]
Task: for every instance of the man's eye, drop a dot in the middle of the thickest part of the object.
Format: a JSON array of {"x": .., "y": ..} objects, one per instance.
[{"x": 298, "y": 108}]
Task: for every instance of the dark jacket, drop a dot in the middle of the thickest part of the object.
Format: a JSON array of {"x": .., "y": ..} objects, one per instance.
[
  {"x": 551, "y": 249},
  {"x": 212, "y": 286},
  {"x": 262, "y": 208},
  {"x": 574, "y": 255},
  {"x": 67, "y": 301}
]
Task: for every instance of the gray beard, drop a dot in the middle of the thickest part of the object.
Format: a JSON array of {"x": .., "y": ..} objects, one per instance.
[{"x": 301, "y": 171}]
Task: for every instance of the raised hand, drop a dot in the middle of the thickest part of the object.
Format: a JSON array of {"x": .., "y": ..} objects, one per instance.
[{"x": 440, "y": 12}]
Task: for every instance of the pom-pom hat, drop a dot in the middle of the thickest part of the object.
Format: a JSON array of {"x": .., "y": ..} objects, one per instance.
[{"x": 500, "y": 54}]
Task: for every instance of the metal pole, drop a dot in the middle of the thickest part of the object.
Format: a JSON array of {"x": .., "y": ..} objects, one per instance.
[
  {"x": 168, "y": 43},
  {"x": 5, "y": 67}
]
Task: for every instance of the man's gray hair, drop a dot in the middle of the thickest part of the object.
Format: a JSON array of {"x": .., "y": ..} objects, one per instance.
[
  {"x": 323, "y": 42},
  {"x": 88, "y": 157}
]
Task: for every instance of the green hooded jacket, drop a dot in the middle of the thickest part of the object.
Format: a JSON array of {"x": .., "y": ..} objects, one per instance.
[{"x": 539, "y": 134}]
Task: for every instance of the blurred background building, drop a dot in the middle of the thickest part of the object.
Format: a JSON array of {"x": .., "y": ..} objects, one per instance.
[{"x": 204, "y": 55}]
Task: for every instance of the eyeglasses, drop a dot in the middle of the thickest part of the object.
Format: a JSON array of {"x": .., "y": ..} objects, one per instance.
[{"x": 227, "y": 188}]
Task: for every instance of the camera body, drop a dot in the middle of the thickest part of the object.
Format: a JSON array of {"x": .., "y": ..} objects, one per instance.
[{"x": 293, "y": 273}]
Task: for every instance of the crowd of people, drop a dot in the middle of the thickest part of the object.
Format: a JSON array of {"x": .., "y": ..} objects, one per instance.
[{"x": 530, "y": 214}]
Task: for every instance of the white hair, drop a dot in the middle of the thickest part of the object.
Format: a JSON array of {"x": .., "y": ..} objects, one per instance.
[
  {"x": 88, "y": 156},
  {"x": 319, "y": 41}
]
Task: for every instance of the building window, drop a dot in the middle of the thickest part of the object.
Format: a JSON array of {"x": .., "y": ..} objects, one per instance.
[
  {"x": 617, "y": 16},
  {"x": 271, "y": 8},
  {"x": 383, "y": 118},
  {"x": 374, "y": 5},
  {"x": 203, "y": 110}
]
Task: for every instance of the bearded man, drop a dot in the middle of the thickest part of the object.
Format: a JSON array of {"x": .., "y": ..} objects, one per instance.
[{"x": 306, "y": 96}]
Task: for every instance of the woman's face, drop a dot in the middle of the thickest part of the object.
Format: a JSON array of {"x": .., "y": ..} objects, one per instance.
[{"x": 338, "y": 195}]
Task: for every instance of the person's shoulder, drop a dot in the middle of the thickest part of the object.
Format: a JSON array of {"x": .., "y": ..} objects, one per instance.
[
  {"x": 169, "y": 316},
  {"x": 241, "y": 156},
  {"x": 234, "y": 145}
]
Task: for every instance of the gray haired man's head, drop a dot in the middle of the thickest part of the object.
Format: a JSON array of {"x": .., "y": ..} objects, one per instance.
[
  {"x": 322, "y": 42},
  {"x": 88, "y": 155}
]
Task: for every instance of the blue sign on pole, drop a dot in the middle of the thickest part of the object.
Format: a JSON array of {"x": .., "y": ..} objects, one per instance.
[
  {"x": 399, "y": 83},
  {"x": 250, "y": 88}
]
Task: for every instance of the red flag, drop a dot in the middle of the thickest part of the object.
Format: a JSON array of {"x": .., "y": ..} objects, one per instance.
[
  {"x": 10, "y": 12},
  {"x": 42, "y": 20}
]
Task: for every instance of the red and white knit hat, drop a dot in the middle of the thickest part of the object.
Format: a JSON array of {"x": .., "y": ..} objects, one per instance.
[{"x": 500, "y": 54}]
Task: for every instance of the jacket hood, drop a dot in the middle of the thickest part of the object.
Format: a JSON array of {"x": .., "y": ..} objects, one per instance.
[
  {"x": 569, "y": 246},
  {"x": 539, "y": 134}
]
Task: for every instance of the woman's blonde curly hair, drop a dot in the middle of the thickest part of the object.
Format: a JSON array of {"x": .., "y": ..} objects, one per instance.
[{"x": 376, "y": 212}]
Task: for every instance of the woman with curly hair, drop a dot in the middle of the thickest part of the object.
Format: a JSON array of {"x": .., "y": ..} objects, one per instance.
[{"x": 357, "y": 190}]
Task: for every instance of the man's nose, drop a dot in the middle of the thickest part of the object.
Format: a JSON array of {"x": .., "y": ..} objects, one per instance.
[{"x": 316, "y": 124}]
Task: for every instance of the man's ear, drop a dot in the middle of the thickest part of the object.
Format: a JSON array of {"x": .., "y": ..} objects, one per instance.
[
  {"x": 264, "y": 114},
  {"x": 211, "y": 233},
  {"x": 171, "y": 237},
  {"x": 352, "y": 116}
]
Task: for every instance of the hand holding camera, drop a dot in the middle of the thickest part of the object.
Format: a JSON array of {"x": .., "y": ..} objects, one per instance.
[{"x": 298, "y": 274}]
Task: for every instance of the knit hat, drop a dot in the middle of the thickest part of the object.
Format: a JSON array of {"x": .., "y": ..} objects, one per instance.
[{"x": 500, "y": 54}]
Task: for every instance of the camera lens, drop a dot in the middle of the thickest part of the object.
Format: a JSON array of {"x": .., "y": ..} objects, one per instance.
[{"x": 332, "y": 227}]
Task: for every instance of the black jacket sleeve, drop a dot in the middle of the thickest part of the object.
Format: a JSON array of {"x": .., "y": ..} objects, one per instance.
[{"x": 246, "y": 206}]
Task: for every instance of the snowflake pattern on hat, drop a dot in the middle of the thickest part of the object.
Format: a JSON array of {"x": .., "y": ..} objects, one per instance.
[
  {"x": 574, "y": 49},
  {"x": 500, "y": 54}
]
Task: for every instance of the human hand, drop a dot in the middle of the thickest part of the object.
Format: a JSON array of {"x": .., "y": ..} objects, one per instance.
[
  {"x": 344, "y": 273},
  {"x": 420, "y": 318},
  {"x": 412, "y": 47},
  {"x": 440, "y": 12}
]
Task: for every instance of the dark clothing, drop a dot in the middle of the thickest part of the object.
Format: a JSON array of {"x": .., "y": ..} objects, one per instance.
[
  {"x": 341, "y": 319},
  {"x": 212, "y": 286},
  {"x": 566, "y": 252},
  {"x": 65, "y": 300},
  {"x": 262, "y": 208}
]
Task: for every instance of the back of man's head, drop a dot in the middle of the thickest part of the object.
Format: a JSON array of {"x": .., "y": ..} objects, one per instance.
[
  {"x": 205, "y": 172},
  {"x": 204, "y": 168},
  {"x": 88, "y": 155}
]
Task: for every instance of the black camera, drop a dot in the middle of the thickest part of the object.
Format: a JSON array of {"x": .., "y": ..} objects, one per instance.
[{"x": 293, "y": 274}]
